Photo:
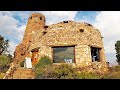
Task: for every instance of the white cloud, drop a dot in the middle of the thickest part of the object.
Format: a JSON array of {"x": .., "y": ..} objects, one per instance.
[
  {"x": 51, "y": 16},
  {"x": 108, "y": 22},
  {"x": 21, "y": 31},
  {"x": 10, "y": 29},
  {"x": 11, "y": 48},
  {"x": 6, "y": 13},
  {"x": 58, "y": 16}
]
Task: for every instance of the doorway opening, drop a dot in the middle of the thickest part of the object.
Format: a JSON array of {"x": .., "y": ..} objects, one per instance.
[
  {"x": 95, "y": 54},
  {"x": 34, "y": 58}
]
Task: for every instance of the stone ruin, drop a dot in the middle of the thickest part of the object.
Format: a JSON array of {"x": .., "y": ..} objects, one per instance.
[{"x": 68, "y": 41}]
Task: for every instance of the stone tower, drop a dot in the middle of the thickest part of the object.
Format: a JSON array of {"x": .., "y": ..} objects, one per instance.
[
  {"x": 35, "y": 22},
  {"x": 65, "y": 42}
]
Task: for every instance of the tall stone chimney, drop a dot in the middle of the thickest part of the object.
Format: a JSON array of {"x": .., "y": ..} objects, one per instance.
[{"x": 35, "y": 22}]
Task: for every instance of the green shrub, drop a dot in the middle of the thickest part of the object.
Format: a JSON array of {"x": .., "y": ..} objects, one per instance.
[
  {"x": 63, "y": 71},
  {"x": 88, "y": 75},
  {"x": 40, "y": 65},
  {"x": 66, "y": 71},
  {"x": 45, "y": 60},
  {"x": 38, "y": 73},
  {"x": 3, "y": 69},
  {"x": 5, "y": 61}
]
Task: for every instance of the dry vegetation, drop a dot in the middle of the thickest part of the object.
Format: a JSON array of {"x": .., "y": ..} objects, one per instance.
[{"x": 47, "y": 70}]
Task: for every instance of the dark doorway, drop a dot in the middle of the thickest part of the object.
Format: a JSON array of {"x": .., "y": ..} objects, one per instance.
[
  {"x": 95, "y": 54},
  {"x": 34, "y": 55}
]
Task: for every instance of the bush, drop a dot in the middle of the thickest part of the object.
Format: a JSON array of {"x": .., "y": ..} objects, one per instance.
[
  {"x": 45, "y": 60},
  {"x": 63, "y": 71},
  {"x": 40, "y": 65},
  {"x": 116, "y": 68},
  {"x": 4, "y": 69},
  {"x": 114, "y": 73},
  {"x": 66, "y": 71},
  {"x": 5, "y": 61},
  {"x": 111, "y": 75},
  {"x": 88, "y": 75}
]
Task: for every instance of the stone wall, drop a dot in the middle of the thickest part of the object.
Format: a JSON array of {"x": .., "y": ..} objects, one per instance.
[
  {"x": 66, "y": 33},
  {"x": 82, "y": 54},
  {"x": 35, "y": 22}
]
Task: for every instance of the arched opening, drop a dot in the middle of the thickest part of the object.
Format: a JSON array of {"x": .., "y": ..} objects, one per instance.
[{"x": 34, "y": 58}]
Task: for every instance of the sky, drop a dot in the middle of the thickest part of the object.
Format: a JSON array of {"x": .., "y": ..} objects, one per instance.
[{"x": 13, "y": 24}]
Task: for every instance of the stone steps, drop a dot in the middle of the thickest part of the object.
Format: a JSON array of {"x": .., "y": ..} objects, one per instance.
[{"x": 22, "y": 73}]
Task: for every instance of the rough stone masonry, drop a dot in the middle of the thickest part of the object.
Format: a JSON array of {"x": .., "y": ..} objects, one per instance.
[{"x": 40, "y": 40}]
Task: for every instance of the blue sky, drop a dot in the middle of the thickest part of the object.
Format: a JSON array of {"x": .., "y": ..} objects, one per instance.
[
  {"x": 13, "y": 24},
  {"x": 88, "y": 16}
]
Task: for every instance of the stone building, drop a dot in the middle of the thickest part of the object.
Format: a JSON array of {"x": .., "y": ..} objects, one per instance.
[{"x": 67, "y": 41}]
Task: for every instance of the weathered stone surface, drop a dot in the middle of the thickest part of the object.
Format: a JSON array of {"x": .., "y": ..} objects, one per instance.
[
  {"x": 40, "y": 38},
  {"x": 81, "y": 35},
  {"x": 22, "y": 73}
]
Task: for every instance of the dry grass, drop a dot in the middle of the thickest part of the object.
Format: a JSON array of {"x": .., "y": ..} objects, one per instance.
[{"x": 1, "y": 75}]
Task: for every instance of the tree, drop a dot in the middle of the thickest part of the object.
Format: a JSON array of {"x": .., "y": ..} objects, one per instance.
[
  {"x": 10, "y": 57},
  {"x": 4, "y": 44},
  {"x": 117, "y": 48},
  {"x": 5, "y": 60}
]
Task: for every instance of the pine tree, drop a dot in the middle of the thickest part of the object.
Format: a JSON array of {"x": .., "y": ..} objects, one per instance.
[
  {"x": 3, "y": 45},
  {"x": 117, "y": 48}
]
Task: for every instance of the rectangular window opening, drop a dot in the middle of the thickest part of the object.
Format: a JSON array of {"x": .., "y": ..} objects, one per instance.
[
  {"x": 64, "y": 54},
  {"x": 95, "y": 54}
]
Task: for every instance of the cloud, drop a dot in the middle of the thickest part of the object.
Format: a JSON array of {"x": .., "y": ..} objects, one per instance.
[
  {"x": 11, "y": 48},
  {"x": 51, "y": 16},
  {"x": 10, "y": 30},
  {"x": 21, "y": 31},
  {"x": 58, "y": 16},
  {"x": 13, "y": 23},
  {"x": 108, "y": 22}
]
